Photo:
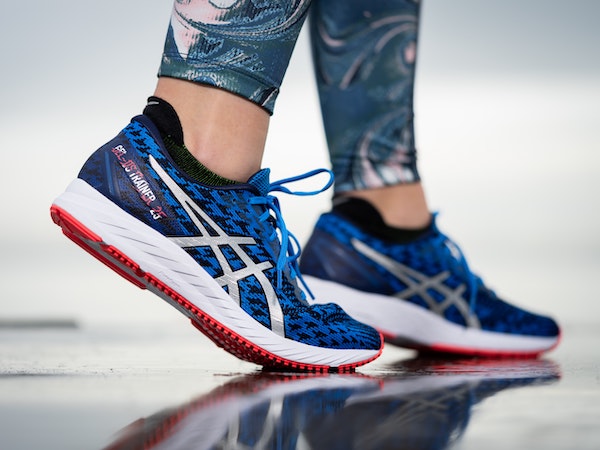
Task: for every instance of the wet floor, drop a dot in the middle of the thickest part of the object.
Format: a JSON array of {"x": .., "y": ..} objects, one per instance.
[{"x": 64, "y": 386}]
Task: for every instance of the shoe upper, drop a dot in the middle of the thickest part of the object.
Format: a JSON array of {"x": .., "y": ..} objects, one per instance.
[
  {"x": 429, "y": 271},
  {"x": 233, "y": 232}
]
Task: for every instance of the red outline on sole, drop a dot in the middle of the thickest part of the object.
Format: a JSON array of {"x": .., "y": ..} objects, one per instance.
[
  {"x": 214, "y": 330},
  {"x": 452, "y": 350}
]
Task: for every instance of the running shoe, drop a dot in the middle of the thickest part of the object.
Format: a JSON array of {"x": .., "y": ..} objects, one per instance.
[
  {"x": 418, "y": 404},
  {"x": 420, "y": 293},
  {"x": 257, "y": 411},
  {"x": 221, "y": 255}
]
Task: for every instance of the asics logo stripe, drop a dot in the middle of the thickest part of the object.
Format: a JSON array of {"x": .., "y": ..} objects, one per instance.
[
  {"x": 419, "y": 284},
  {"x": 230, "y": 278}
]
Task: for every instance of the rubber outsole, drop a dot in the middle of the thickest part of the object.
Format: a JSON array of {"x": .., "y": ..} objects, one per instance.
[
  {"x": 452, "y": 350},
  {"x": 214, "y": 330}
]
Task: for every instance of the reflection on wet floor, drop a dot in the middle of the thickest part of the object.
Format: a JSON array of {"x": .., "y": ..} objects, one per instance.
[
  {"x": 426, "y": 404},
  {"x": 165, "y": 387}
]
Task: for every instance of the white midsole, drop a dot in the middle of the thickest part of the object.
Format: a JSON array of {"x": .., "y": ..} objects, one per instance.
[
  {"x": 402, "y": 320},
  {"x": 177, "y": 269}
]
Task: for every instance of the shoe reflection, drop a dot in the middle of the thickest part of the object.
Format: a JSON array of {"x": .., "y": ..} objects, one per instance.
[{"x": 422, "y": 403}]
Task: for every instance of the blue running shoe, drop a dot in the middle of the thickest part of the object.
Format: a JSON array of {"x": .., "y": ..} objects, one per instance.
[
  {"x": 418, "y": 404},
  {"x": 256, "y": 411},
  {"x": 220, "y": 255},
  {"x": 420, "y": 294}
]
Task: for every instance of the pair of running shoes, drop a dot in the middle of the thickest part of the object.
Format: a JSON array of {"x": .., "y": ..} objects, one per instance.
[{"x": 223, "y": 256}]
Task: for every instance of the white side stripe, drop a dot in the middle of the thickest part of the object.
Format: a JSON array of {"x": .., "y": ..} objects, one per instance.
[
  {"x": 418, "y": 284},
  {"x": 230, "y": 277}
]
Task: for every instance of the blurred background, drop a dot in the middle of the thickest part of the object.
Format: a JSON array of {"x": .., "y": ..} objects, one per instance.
[{"x": 507, "y": 116}]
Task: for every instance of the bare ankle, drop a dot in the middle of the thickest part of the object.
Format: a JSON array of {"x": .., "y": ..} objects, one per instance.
[
  {"x": 401, "y": 206},
  {"x": 226, "y": 133}
]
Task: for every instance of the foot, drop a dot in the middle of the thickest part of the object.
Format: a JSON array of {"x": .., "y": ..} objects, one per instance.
[
  {"x": 219, "y": 254},
  {"x": 416, "y": 288}
]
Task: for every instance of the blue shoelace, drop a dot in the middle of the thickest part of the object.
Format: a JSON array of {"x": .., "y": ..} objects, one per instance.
[{"x": 290, "y": 247}]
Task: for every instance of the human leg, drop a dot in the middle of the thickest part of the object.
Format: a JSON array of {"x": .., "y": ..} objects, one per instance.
[
  {"x": 379, "y": 250},
  {"x": 176, "y": 202},
  {"x": 225, "y": 132},
  {"x": 222, "y": 67},
  {"x": 365, "y": 62}
]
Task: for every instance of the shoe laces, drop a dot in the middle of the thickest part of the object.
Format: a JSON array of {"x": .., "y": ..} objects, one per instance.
[
  {"x": 290, "y": 247},
  {"x": 451, "y": 254}
]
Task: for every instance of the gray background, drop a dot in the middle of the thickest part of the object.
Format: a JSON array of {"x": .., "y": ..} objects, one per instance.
[{"x": 507, "y": 116}]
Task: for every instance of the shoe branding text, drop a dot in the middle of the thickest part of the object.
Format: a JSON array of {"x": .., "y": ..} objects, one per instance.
[{"x": 138, "y": 180}]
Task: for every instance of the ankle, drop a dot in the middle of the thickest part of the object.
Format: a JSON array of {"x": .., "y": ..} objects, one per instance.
[
  {"x": 226, "y": 133},
  {"x": 400, "y": 206},
  {"x": 366, "y": 217},
  {"x": 162, "y": 114}
]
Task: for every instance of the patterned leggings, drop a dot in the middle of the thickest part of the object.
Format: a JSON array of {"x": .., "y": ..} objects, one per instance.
[{"x": 364, "y": 60}]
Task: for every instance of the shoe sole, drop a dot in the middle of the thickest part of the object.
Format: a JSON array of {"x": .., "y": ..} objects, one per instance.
[
  {"x": 147, "y": 259},
  {"x": 410, "y": 326}
]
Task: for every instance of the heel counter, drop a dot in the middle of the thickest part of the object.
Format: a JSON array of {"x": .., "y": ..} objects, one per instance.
[
  {"x": 101, "y": 168},
  {"x": 327, "y": 258},
  {"x": 120, "y": 171}
]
